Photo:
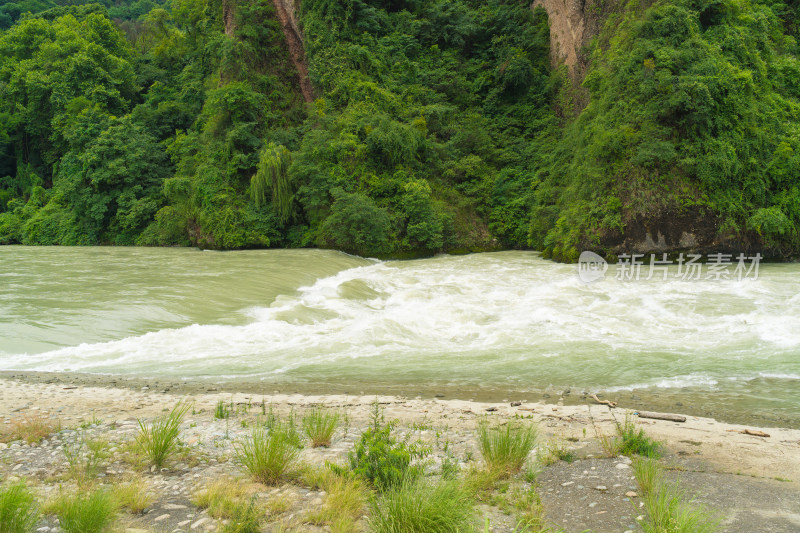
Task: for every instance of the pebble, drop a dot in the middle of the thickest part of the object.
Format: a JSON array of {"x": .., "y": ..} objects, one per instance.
[
  {"x": 631, "y": 494},
  {"x": 199, "y": 523},
  {"x": 162, "y": 517},
  {"x": 601, "y": 487}
]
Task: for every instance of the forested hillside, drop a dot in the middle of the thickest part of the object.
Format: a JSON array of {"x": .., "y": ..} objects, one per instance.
[{"x": 399, "y": 128}]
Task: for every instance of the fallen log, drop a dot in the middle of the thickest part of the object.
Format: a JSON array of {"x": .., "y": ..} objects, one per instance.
[
  {"x": 603, "y": 402},
  {"x": 661, "y": 416}
]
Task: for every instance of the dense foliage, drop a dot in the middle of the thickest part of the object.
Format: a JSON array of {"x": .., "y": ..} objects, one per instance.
[{"x": 436, "y": 125}]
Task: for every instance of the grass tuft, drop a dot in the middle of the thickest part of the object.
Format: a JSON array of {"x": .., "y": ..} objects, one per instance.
[
  {"x": 18, "y": 512},
  {"x": 344, "y": 503},
  {"x": 85, "y": 458},
  {"x": 231, "y": 500},
  {"x": 133, "y": 496},
  {"x": 319, "y": 426},
  {"x": 555, "y": 452},
  {"x": 669, "y": 511},
  {"x": 221, "y": 411},
  {"x": 268, "y": 453},
  {"x": 31, "y": 429},
  {"x": 648, "y": 474},
  {"x": 668, "y": 508},
  {"x": 92, "y": 512},
  {"x": 505, "y": 449},
  {"x": 420, "y": 504},
  {"x": 160, "y": 439}
]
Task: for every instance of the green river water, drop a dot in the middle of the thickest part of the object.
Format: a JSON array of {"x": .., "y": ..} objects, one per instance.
[{"x": 507, "y": 321}]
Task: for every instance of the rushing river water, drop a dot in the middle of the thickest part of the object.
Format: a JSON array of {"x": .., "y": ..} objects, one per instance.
[{"x": 507, "y": 321}]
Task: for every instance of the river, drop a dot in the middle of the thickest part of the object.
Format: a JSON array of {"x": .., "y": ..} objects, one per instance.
[{"x": 495, "y": 323}]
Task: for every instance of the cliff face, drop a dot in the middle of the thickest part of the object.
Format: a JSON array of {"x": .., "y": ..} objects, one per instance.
[
  {"x": 567, "y": 30},
  {"x": 286, "y": 10}
]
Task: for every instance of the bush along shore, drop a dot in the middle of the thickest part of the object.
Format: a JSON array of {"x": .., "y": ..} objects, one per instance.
[{"x": 235, "y": 463}]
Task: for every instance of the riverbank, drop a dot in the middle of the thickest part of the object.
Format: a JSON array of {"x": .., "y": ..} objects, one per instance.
[
  {"x": 750, "y": 481},
  {"x": 699, "y": 403}
]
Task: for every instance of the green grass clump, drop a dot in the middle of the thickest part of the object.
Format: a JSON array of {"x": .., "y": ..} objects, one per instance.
[
  {"x": 93, "y": 512},
  {"x": 422, "y": 506},
  {"x": 505, "y": 448},
  {"x": 648, "y": 474},
  {"x": 555, "y": 452},
  {"x": 18, "y": 512},
  {"x": 668, "y": 508},
  {"x": 246, "y": 518},
  {"x": 267, "y": 453},
  {"x": 669, "y": 511},
  {"x": 160, "y": 439},
  {"x": 344, "y": 503},
  {"x": 319, "y": 426},
  {"x": 133, "y": 496},
  {"x": 633, "y": 441},
  {"x": 221, "y": 411}
]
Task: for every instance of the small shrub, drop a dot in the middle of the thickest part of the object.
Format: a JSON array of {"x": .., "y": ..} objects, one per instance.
[
  {"x": 635, "y": 441},
  {"x": 319, "y": 426},
  {"x": 93, "y": 512},
  {"x": 268, "y": 452},
  {"x": 505, "y": 448},
  {"x": 159, "y": 440},
  {"x": 18, "y": 512},
  {"x": 133, "y": 496},
  {"x": 420, "y": 505},
  {"x": 379, "y": 458}
]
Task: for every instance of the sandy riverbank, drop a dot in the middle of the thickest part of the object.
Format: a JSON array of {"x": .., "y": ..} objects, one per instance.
[{"x": 761, "y": 466}]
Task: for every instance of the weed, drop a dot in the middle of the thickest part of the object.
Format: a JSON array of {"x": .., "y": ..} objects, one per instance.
[
  {"x": 222, "y": 411},
  {"x": 319, "y": 426},
  {"x": 31, "y": 429},
  {"x": 669, "y": 511},
  {"x": 555, "y": 452},
  {"x": 268, "y": 453},
  {"x": 379, "y": 458},
  {"x": 93, "y": 512},
  {"x": 133, "y": 496},
  {"x": 18, "y": 512},
  {"x": 420, "y": 504},
  {"x": 648, "y": 474},
  {"x": 160, "y": 439},
  {"x": 635, "y": 441},
  {"x": 505, "y": 448},
  {"x": 344, "y": 503}
]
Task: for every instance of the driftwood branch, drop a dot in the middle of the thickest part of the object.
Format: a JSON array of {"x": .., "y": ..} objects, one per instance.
[
  {"x": 662, "y": 416},
  {"x": 603, "y": 402},
  {"x": 752, "y": 432}
]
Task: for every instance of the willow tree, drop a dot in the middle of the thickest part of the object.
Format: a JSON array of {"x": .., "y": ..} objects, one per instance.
[{"x": 272, "y": 174}]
